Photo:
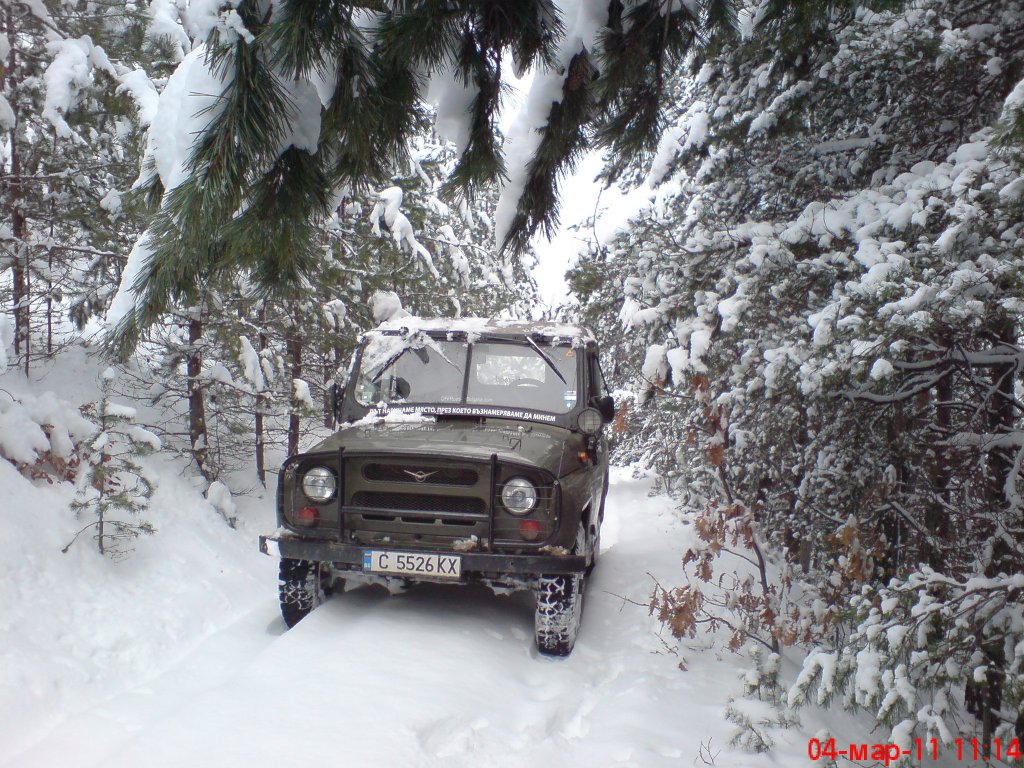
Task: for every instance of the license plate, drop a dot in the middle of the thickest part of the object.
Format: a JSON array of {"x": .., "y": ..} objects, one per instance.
[{"x": 412, "y": 564}]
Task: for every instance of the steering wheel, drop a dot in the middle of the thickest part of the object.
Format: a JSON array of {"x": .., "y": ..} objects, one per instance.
[{"x": 526, "y": 383}]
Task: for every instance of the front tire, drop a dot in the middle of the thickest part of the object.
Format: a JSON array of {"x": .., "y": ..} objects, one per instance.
[
  {"x": 302, "y": 586},
  {"x": 559, "y": 613}
]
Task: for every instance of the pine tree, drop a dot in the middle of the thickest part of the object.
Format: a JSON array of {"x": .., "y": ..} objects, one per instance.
[
  {"x": 112, "y": 486},
  {"x": 823, "y": 304},
  {"x": 69, "y": 78},
  {"x": 273, "y": 154}
]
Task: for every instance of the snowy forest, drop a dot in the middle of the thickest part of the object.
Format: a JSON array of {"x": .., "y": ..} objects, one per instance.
[{"x": 809, "y": 296}]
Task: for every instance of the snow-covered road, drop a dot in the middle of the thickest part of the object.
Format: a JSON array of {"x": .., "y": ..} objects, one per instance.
[{"x": 435, "y": 676}]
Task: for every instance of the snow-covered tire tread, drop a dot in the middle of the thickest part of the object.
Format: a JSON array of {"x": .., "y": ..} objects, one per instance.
[
  {"x": 301, "y": 588},
  {"x": 558, "y": 614}
]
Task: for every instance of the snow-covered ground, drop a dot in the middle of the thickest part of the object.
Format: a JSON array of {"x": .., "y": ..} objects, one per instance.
[{"x": 177, "y": 656}]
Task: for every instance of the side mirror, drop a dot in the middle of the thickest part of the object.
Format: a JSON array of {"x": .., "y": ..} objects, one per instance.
[{"x": 606, "y": 406}]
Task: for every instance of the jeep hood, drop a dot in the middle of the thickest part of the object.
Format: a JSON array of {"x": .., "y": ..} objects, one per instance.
[{"x": 550, "y": 448}]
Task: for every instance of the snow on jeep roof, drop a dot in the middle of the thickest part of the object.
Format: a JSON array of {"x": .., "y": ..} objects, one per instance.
[{"x": 481, "y": 325}]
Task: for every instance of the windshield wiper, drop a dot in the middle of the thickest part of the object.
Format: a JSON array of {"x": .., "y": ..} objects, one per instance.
[
  {"x": 437, "y": 348},
  {"x": 390, "y": 361},
  {"x": 421, "y": 353},
  {"x": 546, "y": 359}
]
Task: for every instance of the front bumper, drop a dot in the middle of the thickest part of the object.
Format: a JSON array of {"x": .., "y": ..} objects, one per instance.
[{"x": 474, "y": 564}]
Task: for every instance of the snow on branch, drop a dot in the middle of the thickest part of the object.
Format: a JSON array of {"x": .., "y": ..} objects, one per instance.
[
  {"x": 70, "y": 71},
  {"x": 389, "y": 208}
]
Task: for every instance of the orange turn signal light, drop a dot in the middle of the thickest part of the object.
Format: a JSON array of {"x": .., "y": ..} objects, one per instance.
[
  {"x": 529, "y": 529},
  {"x": 307, "y": 516}
]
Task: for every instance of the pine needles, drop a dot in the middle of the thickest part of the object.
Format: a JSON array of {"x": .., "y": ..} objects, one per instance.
[{"x": 254, "y": 194}]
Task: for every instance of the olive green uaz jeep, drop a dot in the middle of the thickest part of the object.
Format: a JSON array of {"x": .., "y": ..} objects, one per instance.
[{"x": 469, "y": 451}]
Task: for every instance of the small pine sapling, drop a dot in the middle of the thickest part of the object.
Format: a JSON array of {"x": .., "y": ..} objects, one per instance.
[
  {"x": 763, "y": 708},
  {"x": 754, "y": 723},
  {"x": 113, "y": 489},
  {"x": 761, "y": 681}
]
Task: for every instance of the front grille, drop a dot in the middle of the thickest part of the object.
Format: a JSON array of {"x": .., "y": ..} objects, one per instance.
[
  {"x": 419, "y": 503},
  {"x": 385, "y": 505},
  {"x": 398, "y": 473}
]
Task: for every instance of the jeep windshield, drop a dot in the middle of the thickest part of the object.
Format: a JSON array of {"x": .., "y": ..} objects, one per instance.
[{"x": 421, "y": 370}]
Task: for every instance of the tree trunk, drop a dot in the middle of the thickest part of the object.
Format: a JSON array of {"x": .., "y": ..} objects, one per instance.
[
  {"x": 196, "y": 398},
  {"x": 19, "y": 278},
  {"x": 332, "y": 370},
  {"x": 338, "y": 371},
  {"x": 19, "y": 297},
  {"x": 936, "y": 516},
  {"x": 329, "y": 380},
  {"x": 102, "y": 487},
  {"x": 261, "y": 402},
  {"x": 1002, "y": 459},
  {"x": 1001, "y": 465},
  {"x": 890, "y": 524},
  {"x": 49, "y": 285},
  {"x": 293, "y": 351},
  {"x": 26, "y": 307}
]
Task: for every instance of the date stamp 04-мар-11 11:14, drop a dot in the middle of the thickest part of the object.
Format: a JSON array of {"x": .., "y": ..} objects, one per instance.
[{"x": 921, "y": 749}]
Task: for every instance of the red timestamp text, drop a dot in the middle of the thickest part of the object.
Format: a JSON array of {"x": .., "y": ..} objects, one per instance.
[{"x": 888, "y": 754}]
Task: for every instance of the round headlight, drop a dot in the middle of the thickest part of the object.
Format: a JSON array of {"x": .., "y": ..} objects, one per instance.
[
  {"x": 590, "y": 421},
  {"x": 519, "y": 496},
  {"x": 319, "y": 484}
]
